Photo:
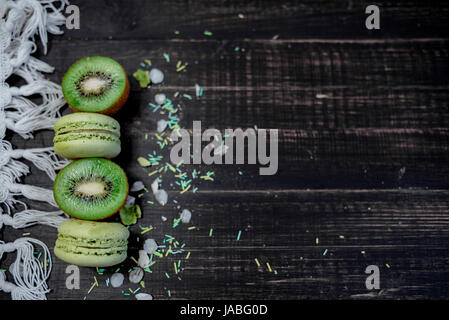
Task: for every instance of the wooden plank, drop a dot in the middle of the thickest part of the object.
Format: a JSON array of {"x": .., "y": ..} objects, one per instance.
[
  {"x": 378, "y": 128},
  {"x": 308, "y": 159},
  {"x": 140, "y": 19},
  {"x": 405, "y": 229},
  {"x": 271, "y": 65}
]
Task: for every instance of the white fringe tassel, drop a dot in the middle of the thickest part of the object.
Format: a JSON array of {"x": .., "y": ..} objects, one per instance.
[
  {"x": 29, "y": 275},
  {"x": 29, "y": 217},
  {"x": 20, "y": 22}
]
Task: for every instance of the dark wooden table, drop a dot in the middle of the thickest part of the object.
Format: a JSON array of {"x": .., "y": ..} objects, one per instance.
[{"x": 363, "y": 154}]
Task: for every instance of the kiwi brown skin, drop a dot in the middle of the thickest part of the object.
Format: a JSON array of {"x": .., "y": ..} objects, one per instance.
[
  {"x": 112, "y": 214},
  {"x": 116, "y": 106}
]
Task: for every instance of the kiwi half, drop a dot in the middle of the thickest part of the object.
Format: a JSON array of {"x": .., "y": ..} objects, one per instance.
[
  {"x": 96, "y": 84},
  {"x": 91, "y": 188}
]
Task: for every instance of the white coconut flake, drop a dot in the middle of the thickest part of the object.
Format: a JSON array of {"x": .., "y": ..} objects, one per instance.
[
  {"x": 137, "y": 186},
  {"x": 186, "y": 215},
  {"x": 144, "y": 259},
  {"x": 159, "y": 98},
  {"x": 117, "y": 280},
  {"x": 155, "y": 185},
  {"x": 136, "y": 275},
  {"x": 161, "y": 125},
  {"x": 130, "y": 201},
  {"x": 149, "y": 246},
  {"x": 156, "y": 76},
  {"x": 144, "y": 296},
  {"x": 161, "y": 196}
]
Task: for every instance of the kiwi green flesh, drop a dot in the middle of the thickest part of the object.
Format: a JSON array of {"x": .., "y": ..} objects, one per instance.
[
  {"x": 91, "y": 188},
  {"x": 94, "y": 69}
]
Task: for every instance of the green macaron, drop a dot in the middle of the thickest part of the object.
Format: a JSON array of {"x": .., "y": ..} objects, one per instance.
[
  {"x": 85, "y": 135},
  {"x": 91, "y": 244}
]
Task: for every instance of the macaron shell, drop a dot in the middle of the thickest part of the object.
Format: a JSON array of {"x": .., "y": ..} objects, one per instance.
[
  {"x": 93, "y": 230},
  {"x": 91, "y": 244},
  {"x": 87, "y": 260},
  {"x": 86, "y": 120},
  {"x": 87, "y": 145}
]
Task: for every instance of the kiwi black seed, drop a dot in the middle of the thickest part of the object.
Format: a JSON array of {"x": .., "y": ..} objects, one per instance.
[
  {"x": 91, "y": 188},
  {"x": 96, "y": 84}
]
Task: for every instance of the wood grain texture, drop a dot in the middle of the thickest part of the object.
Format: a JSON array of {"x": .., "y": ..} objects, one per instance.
[
  {"x": 363, "y": 137},
  {"x": 262, "y": 19},
  {"x": 408, "y": 230}
]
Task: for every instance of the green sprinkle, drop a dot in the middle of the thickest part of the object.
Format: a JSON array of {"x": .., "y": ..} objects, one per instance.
[
  {"x": 166, "y": 274},
  {"x": 207, "y": 33},
  {"x": 148, "y": 62},
  {"x": 157, "y": 253},
  {"x": 269, "y": 267},
  {"x": 167, "y": 57},
  {"x": 177, "y": 32},
  {"x": 187, "y": 96},
  {"x": 236, "y": 48},
  {"x": 210, "y": 232},
  {"x": 181, "y": 68},
  {"x": 171, "y": 167},
  {"x": 239, "y": 234}
]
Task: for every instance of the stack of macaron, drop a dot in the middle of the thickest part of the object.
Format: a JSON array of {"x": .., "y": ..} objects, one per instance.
[{"x": 92, "y": 187}]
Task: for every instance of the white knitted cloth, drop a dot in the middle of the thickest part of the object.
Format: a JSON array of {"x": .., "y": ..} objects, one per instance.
[{"x": 20, "y": 22}]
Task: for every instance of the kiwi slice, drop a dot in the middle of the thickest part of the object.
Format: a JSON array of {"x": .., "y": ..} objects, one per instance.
[
  {"x": 96, "y": 84},
  {"x": 91, "y": 188}
]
